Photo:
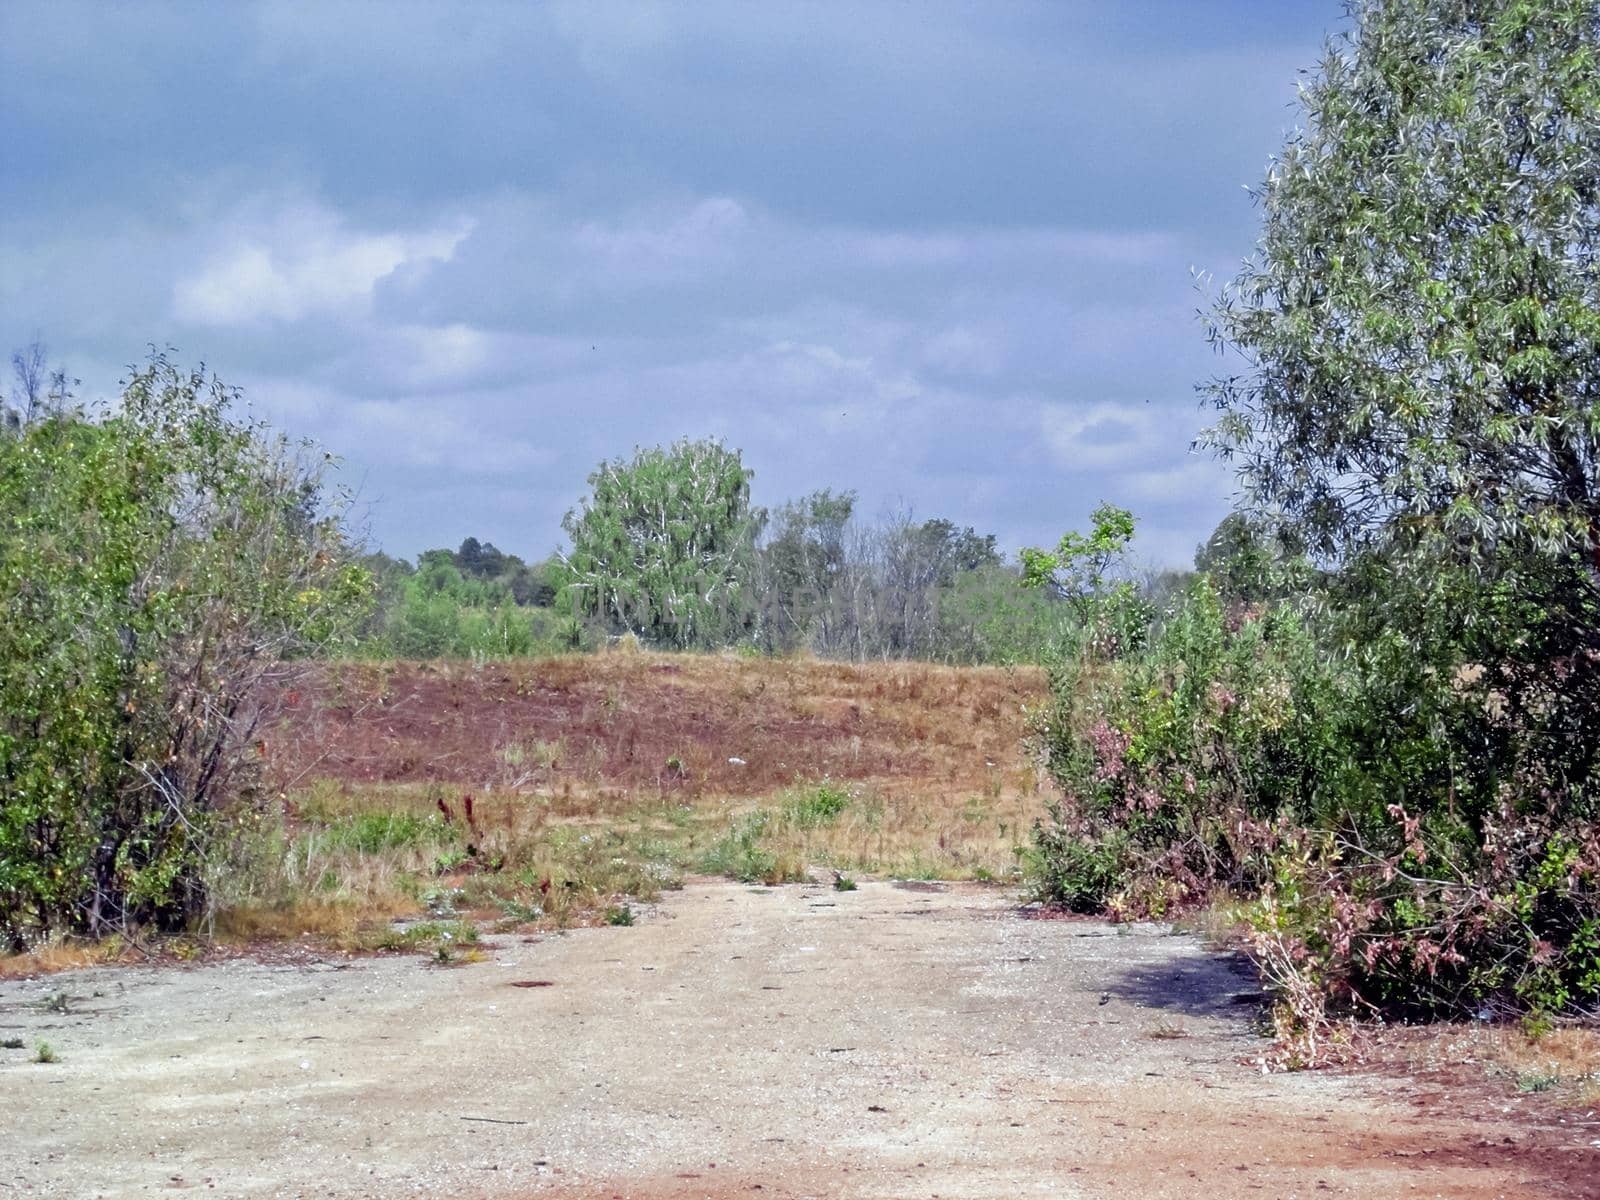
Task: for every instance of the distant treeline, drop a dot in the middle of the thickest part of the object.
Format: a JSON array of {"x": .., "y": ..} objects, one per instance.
[{"x": 667, "y": 548}]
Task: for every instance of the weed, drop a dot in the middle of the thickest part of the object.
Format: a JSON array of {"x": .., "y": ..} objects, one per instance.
[
  {"x": 44, "y": 1052},
  {"x": 436, "y": 936},
  {"x": 12, "y": 1044},
  {"x": 516, "y": 912},
  {"x": 738, "y": 853},
  {"x": 1537, "y": 1080},
  {"x": 619, "y": 914},
  {"x": 820, "y": 804},
  {"x": 56, "y": 1002},
  {"x": 843, "y": 883},
  {"x": 373, "y": 832},
  {"x": 1166, "y": 1031}
]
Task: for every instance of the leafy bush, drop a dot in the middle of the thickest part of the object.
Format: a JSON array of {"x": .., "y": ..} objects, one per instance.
[
  {"x": 1175, "y": 756},
  {"x": 1403, "y": 845},
  {"x": 819, "y": 804},
  {"x": 157, "y": 565}
]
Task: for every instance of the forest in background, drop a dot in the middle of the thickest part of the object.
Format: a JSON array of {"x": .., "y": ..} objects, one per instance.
[{"x": 809, "y": 576}]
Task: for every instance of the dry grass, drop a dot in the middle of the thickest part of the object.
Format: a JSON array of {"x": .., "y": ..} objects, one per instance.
[
  {"x": 348, "y": 860},
  {"x": 596, "y": 781},
  {"x": 1563, "y": 1062},
  {"x": 598, "y": 778},
  {"x": 659, "y": 726},
  {"x": 65, "y": 956}
]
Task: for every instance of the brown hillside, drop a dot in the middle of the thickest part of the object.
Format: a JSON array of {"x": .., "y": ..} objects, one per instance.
[{"x": 636, "y": 722}]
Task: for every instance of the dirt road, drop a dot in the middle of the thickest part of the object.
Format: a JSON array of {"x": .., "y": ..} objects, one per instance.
[{"x": 750, "y": 1042}]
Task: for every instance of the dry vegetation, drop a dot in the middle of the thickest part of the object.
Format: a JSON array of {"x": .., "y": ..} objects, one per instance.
[
  {"x": 422, "y": 801},
  {"x": 1555, "y": 1067},
  {"x": 657, "y": 725}
]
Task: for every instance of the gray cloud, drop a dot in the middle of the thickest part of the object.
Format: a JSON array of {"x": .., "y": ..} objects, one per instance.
[{"x": 941, "y": 260}]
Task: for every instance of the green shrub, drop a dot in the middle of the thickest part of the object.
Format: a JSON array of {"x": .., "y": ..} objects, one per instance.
[
  {"x": 1079, "y": 872},
  {"x": 1401, "y": 843},
  {"x": 157, "y": 565},
  {"x": 739, "y": 854},
  {"x": 820, "y": 804},
  {"x": 1171, "y": 755}
]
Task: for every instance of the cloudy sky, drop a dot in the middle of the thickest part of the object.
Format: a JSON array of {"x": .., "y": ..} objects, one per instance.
[{"x": 937, "y": 253}]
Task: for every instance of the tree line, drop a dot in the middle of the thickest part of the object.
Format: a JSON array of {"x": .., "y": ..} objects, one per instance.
[{"x": 668, "y": 548}]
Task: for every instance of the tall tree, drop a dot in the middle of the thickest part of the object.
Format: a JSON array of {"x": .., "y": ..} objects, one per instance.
[
  {"x": 1421, "y": 325},
  {"x": 663, "y": 545},
  {"x": 1419, "y": 408},
  {"x": 800, "y": 563},
  {"x": 1421, "y": 336}
]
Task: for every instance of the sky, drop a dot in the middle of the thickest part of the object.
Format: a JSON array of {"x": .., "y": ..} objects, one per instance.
[{"x": 950, "y": 256}]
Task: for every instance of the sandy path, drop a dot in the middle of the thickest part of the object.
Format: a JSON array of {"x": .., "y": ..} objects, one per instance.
[{"x": 763, "y": 1043}]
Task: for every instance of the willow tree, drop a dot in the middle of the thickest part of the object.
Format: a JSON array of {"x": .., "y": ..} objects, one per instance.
[
  {"x": 663, "y": 546},
  {"x": 1421, "y": 326},
  {"x": 1418, "y": 406}
]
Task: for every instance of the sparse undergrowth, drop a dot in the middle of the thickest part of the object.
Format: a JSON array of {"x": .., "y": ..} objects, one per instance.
[
  {"x": 785, "y": 768},
  {"x": 346, "y": 864},
  {"x": 1561, "y": 1064}
]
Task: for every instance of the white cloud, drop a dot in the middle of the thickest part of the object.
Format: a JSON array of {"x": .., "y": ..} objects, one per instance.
[
  {"x": 1193, "y": 481},
  {"x": 443, "y": 431},
  {"x": 302, "y": 262},
  {"x": 702, "y": 237}
]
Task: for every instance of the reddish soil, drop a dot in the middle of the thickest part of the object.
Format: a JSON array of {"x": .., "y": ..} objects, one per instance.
[{"x": 711, "y": 724}]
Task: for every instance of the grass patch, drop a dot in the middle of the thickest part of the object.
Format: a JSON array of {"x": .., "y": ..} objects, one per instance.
[
  {"x": 44, "y": 1052},
  {"x": 346, "y": 864},
  {"x": 820, "y": 804},
  {"x": 375, "y": 832},
  {"x": 428, "y": 936},
  {"x": 739, "y": 854}
]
